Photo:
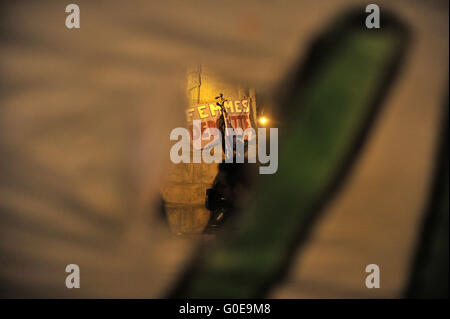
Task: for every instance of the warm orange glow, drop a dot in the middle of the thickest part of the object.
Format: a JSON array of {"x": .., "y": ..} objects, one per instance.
[{"x": 263, "y": 120}]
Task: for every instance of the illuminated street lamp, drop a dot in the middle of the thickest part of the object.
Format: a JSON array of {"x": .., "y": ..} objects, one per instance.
[{"x": 263, "y": 120}]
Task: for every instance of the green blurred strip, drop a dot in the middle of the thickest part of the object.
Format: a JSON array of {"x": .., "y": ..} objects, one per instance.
[
  {"x": 429, "y": 278},
  {"x": 325, "y": 120}
]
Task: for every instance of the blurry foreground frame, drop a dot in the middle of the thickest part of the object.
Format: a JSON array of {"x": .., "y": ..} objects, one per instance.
[{"x": 329, "y": 109}]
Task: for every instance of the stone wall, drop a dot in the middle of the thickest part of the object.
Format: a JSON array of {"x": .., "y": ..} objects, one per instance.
[{"x": 184, "y": 192}]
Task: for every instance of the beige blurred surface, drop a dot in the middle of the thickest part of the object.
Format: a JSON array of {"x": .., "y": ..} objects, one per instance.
[
  {"x": 85, "y": 122},
  {"x": 376, "y": 217}
]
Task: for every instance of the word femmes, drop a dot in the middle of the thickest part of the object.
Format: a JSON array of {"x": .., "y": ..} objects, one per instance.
[
  {"x": 234, "y": 139},
  {"x": 212, "y": 110}
]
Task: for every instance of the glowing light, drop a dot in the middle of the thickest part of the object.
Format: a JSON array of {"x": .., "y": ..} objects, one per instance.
[{"x": 263, "y": 120}]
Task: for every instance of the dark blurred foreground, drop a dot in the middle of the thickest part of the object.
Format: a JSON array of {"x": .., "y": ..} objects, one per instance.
[{"x": 84, "y": 142}]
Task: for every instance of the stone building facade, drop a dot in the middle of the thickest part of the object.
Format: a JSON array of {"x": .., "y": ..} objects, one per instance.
[{"x": 184, "y": 191}]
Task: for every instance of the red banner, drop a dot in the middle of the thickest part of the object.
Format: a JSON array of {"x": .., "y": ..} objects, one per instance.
[{"x": 209, "y": 113}]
